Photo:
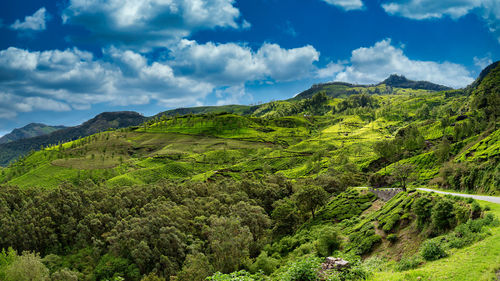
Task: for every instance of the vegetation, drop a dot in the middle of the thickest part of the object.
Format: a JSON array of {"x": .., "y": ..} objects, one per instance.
[{"x": 264, "y": 192}]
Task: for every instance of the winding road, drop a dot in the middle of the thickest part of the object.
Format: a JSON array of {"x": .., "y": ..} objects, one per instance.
[{"x": 492, "y": 199}]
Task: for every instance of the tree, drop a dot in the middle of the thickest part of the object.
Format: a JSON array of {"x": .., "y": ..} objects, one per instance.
[
  {"x": 402, "y": 173},
  {"x": 443, "y": 150},
  {"x": 285, "y": 216},
  {"x": 386, "y": 150},
  {"x": 310, "y": 197},
  {"x": 196, "y": 268},
  {"x": 28, "y": 267},
  {"x": 229, "y": 243}
]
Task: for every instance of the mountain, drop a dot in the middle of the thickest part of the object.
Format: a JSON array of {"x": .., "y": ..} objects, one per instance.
[
  {"x": 104, "y": 121},
  {"x": 29, "y": 131},
  {"x": 394, "y": 83},
  {"x": 399, "y": 81}
]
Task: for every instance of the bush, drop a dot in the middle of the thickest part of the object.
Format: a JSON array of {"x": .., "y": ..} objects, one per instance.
[
  {"x": 443, "y": 216},
  {"x": 475, "y": 210},
  {"x": 305, "y": 269},
  {"x": 391, "y": 223},
  {"x": 28, "y": 266},
  {"x": 392, "y": 238},
  {"x": 432, "y": 250},
  {"x": 239, "y": 276},
  {"x": 264, "y": 263},
  {"x": 328, "y": 241},
  {"x": 407, "y": 263}
]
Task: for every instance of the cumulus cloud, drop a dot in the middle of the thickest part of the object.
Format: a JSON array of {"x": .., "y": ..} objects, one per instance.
[
  {"x": 488, "y": 10},
  {"x": 232, "y": 64},
  {"x": 149, "y": 23},
  {"x": 346, "y": 4},
  {"x": 374, "y": 64},
  {"x": 60, "y": 80},
  {"x": 330, "y": 70},
  {"x": 35, "y": 22},
  {"x": 74, "y": 79}
]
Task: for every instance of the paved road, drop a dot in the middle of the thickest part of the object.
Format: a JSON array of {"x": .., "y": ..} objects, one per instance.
[{"x": 492, "y": 199}]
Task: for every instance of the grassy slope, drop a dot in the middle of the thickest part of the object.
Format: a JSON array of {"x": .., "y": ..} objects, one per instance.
[{"x": 479, "y": 261}]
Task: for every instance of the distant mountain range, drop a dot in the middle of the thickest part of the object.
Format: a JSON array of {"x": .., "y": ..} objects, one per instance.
[
  {"x": 29, "y": 131},
  {"x": 104, "y": 121}
]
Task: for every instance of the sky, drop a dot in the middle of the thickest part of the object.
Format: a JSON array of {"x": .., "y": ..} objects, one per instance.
[{"x": 64, "y": 61}]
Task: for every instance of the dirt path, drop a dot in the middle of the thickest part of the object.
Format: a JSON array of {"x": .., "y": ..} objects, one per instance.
[{"x": 492, "y": 199}]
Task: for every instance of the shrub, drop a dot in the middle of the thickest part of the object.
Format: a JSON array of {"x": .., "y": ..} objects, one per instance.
[
  {"x": 264, "y": 263},
  {"x": 28, "y": 266},
  {"x": 407, "y": 263},
  {"x": 432, "y": 250},
  {"x": 239, "y": 276},
  {"x": 461, "y": 213},
  {"x": 392, "y": 238},
  {"x": 305, "y": 269},
  {"x": 442, "y": 214},
  {"x": 475, "y": 210},
  {"x": 390, "y": 223},
  {"x": 328, "y": 241},
  {"x": 422, "y": 208}
]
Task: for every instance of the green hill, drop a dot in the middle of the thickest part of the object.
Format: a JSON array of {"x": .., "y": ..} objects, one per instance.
[
  {"x": 266, "y": 192},
  {"x": 12, "y": 150}
]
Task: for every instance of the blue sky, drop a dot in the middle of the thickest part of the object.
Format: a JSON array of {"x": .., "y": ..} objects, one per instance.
[{"x": 62, "y": 62}]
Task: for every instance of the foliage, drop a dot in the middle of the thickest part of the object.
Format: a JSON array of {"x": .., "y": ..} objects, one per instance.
[
  {"x": 28, "y": 266},
  {"x": 305, "y": 269},
  {"x": 432, "y": 250},
  {"x": 407, "y": 263}
]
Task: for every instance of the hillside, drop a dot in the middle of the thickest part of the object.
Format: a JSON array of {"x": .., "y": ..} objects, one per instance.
[
  {"x": 260, "y": 193},
  {"x": 393, "y": 84},
  {"x": 104, "y": 121},
  {"x": 29, "y": 131}
]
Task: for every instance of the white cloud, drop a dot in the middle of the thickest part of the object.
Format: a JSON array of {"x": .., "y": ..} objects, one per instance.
[
  {"x": 330, "y": 70},
  {"x": 74, "y": 79},
  {"x": 374, "y": 64},
  {"x": 489, "y": 10},
  {"x": 231, "y": 95},
  {"x": 34, "y": 22},
  {"x": 11, "y": 104},
  {"x": 482, "y": 62},
  {"x": 60, "y": 80},
  {"x": 232, "y": 64},
  {"x": 346, "y": 4},
  {"x": 148, "y": 23}
]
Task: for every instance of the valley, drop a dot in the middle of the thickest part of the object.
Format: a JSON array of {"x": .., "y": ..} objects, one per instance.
[{"x": 265, "y": 192}]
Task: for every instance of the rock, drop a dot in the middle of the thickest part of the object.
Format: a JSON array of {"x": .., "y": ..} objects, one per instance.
[{"x": 334, "y": 263}]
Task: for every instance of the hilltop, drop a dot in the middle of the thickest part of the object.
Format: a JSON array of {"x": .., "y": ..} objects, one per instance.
[
  {"x": 29, "y": 131},
  {"x": 393, "y": 84}
]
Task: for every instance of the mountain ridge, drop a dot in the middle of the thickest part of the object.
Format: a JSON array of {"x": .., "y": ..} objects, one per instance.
[
  {"x": 29, "y": 131},
  {"x": 100, "y": 122}
]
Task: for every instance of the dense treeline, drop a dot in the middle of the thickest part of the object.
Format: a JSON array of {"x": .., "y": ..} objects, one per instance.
[{"x": 168, "y": 228}]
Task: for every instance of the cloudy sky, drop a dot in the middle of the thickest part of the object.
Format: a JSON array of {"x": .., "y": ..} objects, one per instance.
[{"x": 64, "y": 61}]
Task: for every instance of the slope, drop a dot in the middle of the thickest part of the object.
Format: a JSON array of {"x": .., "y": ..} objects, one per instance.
[
  {"x": 13, "y": 150},
  {"x": 29, "y": 131}
]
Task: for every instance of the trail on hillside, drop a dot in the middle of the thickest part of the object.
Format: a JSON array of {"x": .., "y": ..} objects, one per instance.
[{"x": 492, "y": 199}]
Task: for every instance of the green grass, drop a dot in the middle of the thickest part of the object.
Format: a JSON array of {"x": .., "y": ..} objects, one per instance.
[{"x": 479, "y": 261}]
